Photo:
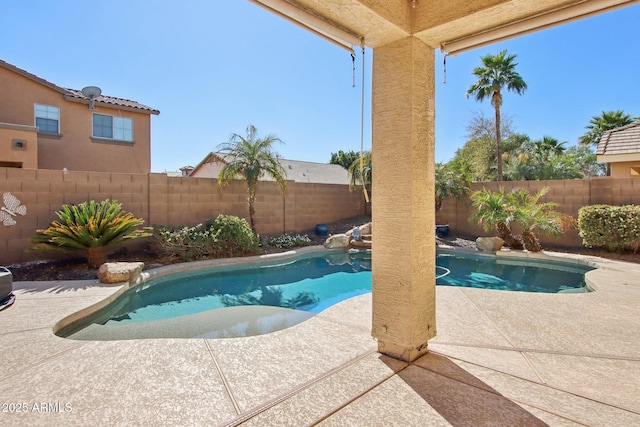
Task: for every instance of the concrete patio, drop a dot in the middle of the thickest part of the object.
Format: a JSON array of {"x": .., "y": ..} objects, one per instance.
[{"x": 500, "y": 358}]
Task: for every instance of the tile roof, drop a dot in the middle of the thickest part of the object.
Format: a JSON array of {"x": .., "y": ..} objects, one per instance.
[
  {"x": 299, "y": 171},
  {"x": 622, "y": 140},
  {"x": 73, "y": 94}
]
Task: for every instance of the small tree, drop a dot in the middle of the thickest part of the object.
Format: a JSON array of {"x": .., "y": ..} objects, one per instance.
[
  {"x": 344, "y": 159},
  {"x": 360, "y": 173},
  {"x": 493, "y": 211},
  {"x": 536, "y": 217},
  {"x": 90, "y": 227},
  {"x": 251, "y": 158}
]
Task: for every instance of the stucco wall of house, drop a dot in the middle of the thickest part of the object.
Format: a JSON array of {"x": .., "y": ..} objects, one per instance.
[
  {"x": 163, "y": 200},
  {"x": 625, "y": 169},
  {"x": 74, "y": 148},
  {"x": 18, "y": 145}
]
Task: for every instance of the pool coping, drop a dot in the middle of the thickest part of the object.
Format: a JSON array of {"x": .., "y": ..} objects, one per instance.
[
  {"x": 171, "y": 269},
  {"x": 502, "y": 346}
]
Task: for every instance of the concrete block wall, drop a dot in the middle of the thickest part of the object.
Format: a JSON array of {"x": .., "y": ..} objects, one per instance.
[
  {"x": 163, "y": 200},
  {"x": 570, "y": 196}
]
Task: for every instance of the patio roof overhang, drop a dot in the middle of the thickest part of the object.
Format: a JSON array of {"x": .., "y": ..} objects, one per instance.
[{"x": 452, "y": 25}]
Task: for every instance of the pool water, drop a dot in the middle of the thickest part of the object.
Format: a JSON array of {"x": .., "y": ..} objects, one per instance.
[
  {"x": 262, "y": 298},
  {"x": 476, "y": 271}
]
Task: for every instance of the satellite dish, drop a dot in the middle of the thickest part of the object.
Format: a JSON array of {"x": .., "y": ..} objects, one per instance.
[{"x": 91, "y": 92}]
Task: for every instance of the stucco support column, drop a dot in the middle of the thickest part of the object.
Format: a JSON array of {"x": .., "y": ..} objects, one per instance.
[{"x": 404, "y": 316}]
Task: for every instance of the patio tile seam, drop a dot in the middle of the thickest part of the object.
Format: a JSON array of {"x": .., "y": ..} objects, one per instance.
[
  {"x": 543, "y": 351},
  {"x": 483, "y": 314},
  {"x": 25, "y": 330},
  {"x": 353, "y": 399},
  {"x": 225, "y": 383},
  {"x": 296, "y": 390},
  {"x": 41, "y": 361},
  {"x": 515, "y": 399}
]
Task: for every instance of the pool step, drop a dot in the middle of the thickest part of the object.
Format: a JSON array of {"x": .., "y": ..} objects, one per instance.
[{"x": 326, "y": 394}]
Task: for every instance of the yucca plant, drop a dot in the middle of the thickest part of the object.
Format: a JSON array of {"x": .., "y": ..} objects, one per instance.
[{"x": 90, "y": 226}]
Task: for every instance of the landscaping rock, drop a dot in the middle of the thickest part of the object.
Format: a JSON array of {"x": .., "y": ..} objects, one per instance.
[
  {"x": 119, "y": 272},
  {"x": 489, "y": 244},
  {"x": 337, "y": 241}
]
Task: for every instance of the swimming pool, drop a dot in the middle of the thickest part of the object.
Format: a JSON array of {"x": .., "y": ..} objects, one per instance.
[{"x": 261, "y": 298}]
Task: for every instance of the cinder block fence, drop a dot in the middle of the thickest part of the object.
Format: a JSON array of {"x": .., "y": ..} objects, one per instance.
[
  {"x": 163, "y": 200},
  {"x": 570, "y": 195}
]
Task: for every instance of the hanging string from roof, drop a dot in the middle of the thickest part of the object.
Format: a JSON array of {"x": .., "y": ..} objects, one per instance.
[
  {"x": 364, "y": 187},
  {"x": 353, "y": 73},
  {"x": 445, "y": 70}
]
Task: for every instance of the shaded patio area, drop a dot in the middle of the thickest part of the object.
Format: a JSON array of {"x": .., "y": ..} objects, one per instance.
[{"x": 500, "y": 358}]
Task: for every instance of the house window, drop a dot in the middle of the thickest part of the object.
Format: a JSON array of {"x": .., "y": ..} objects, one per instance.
[
  {"x": 47, "y": 118},
  {"x": 120, "y": 128}
]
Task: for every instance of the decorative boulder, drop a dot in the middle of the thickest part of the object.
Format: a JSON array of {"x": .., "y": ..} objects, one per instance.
[
  {"x": 489, "y": 244},
  {"x": 119, "y": 272},
  {"x": 337, "y": 241},
  {"x": 365, "y": 229}
]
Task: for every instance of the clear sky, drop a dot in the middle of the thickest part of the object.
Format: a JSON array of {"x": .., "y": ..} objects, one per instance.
[{"x": 213, "y": 67}]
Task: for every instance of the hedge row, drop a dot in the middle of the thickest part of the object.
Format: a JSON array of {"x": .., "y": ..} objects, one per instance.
[{"x": 615, "y": 228}]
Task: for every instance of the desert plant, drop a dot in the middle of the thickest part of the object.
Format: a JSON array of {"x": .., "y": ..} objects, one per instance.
[
  {"x": 287, "y": 241},
  {"x": 615, "y": 228},
  {"x": 493, "y": 211},
  {"x": 90, "y": 226},
  {"x": 224, "y": 236},
  {"x": 536, "y": 217}
]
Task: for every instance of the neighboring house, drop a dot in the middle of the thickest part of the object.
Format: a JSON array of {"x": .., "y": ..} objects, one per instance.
[
  {"x": 316, "y": 173},
  {"x": 620, "y": 148},
  {"x": 45, "y": 126}
]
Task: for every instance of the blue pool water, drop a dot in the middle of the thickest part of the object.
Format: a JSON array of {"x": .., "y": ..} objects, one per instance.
[{"x": 261, "y": 298}]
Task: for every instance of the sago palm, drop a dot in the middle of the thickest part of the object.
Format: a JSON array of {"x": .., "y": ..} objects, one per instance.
[
  {"x": 493, "y": 211},
  {"x": 497, "y": 72},
  {"x": 90, "y": 226},
  {"x": 250, "y": 158}
]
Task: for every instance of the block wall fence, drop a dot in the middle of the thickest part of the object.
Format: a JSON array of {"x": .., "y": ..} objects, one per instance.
[
  {"x": 163, "y": 200},
  {"x": 570, "y": 195}
]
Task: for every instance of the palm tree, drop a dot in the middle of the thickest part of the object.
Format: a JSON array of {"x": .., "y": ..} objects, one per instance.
[
  {"x": 449, "y": 183},
  {"x": 536, "y": 217},
  {"x": 493, "y": 211},
  {"x": 600, "y": 124},
  {"x": 360, "y": 172},
  {"x": 497, "y": 72},
  {"x": 251, "y": 158},
  {"x": 548, "y": 146}
]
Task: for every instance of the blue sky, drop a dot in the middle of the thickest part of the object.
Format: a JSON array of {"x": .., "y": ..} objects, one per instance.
[{"x": 211, "y": 68}]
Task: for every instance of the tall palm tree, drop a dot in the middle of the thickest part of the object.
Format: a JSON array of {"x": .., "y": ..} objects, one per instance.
[
  {"x": 251, "y": 158},
  {"x": 498, "y": 72},
  {"x": 548, "y": 146},
  {"x": 606, "y": 121}
]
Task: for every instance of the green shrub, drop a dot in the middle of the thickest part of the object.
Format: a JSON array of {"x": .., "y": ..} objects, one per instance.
[
  {"x": 615, "y": 228},
  {"x": 90, "y": 226},
  {"x": 225, "y": 236},
  {"x": 287, "y": 241}
]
